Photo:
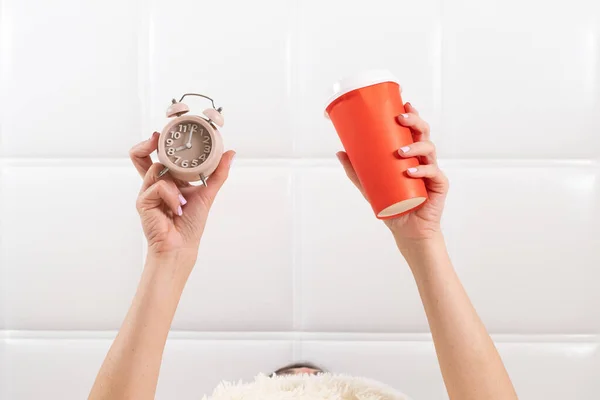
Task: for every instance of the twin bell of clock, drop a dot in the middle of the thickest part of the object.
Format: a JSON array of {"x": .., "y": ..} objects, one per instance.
[{"x": 190, "y": 146}]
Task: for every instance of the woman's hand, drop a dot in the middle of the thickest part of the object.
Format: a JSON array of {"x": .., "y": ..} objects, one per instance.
[
  {"x": 173, "y": 213},
  {"x": 423, "y": 223}
]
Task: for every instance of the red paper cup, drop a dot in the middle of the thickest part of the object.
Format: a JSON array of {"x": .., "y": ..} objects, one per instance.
[{"x": 363, "y": 110}]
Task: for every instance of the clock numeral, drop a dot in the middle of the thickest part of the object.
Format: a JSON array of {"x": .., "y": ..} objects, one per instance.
[
  {"x": 169, "y": 142},
  {"x": 194, "y": 163},
  {"x": 185, "y": 163},
  {"x": 206, "y": 139},
  {"x": 202, "y": 157},
  {"x": 176, "y": 135},
  {"x": 171, "y": 151},
  {"x": 177, "y": 159},
  {"x": 183, "y": 128},
  {"x": 206, "y": 148}
]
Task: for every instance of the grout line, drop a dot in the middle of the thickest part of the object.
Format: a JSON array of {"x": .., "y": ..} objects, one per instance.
[
  {"x": 144, "y": 65},
  {"x": 296, "y": 254},
  {"x": 300, "y": 162},
  {"x": 298, "y": 336},
  {"x": 437, "y": 78}
]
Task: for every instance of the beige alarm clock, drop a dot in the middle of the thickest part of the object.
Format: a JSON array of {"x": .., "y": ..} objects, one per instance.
[{"x": 190, "y": 146}]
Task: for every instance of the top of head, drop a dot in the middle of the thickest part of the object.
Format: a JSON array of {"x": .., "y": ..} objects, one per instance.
[{"x": 357, "y": 81}]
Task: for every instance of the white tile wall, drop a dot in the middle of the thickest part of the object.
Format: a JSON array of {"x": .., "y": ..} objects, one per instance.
[
  {"x": 69, "y": 78},
  {"x": 293, "y": 265},
  {"x": 334, "y": 41},
  {"x": 243, "y": 277},
  {"x": 522, "y": 73},
  {"x": 71, "y": 245},
  {"x": 193, "y": 367},
  {"x": 236, "y": 52}
]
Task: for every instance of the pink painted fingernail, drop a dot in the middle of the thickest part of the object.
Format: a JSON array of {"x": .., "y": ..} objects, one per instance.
[
  {"x": 405, "y": 149},
  {"x": 179, "y": 211},
  {"x": 182, "y": 200},
  {"x": 154, "y": 134},
  {"x": 412, "y": 170}
]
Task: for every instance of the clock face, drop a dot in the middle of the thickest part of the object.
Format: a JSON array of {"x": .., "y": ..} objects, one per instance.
[{"x": 188, "y": 144}]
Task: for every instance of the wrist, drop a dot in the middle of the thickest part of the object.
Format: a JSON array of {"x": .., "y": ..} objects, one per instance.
[
  {"x": 422, "y": 242},
  {"x": 177, "y": 264},
  {"x": 424, "y": 251}
]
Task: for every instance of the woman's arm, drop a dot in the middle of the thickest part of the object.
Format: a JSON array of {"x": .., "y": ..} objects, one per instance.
[
  {"x": 130, "y": 370},
  {"x": 173, "y": 216},
  {"x": 469, "y": 361},
  {"x": 470, "y": 364}
]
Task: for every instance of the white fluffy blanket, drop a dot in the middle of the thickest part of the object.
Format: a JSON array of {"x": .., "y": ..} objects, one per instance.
[{"x": 306, "y": 387}]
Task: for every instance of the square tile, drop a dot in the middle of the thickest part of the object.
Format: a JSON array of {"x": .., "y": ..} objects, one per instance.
[
  {"x": 351, "y": 275},
  {"x": 71, "y": 248},
  {"x": 336, "y": 41},
  {"x": 523, "y": 237},
  {"x": 410, "y": 367},
  {"x": 42, "y": 368},
  {"x": 553, "y": 371},
  {"x": 243, "y": 276},
  {"x": 193, "y": 368},
  {"x": 510, "y": 232},
  {"x": 49, "y": 368},
  {"x": 235, "y": 52},
  {"x": 516, "y": 86},
  {"x": 67, "y": 90}
]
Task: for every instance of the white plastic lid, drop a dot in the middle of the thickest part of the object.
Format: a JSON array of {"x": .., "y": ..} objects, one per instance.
[{"x": 360, "y": 80}]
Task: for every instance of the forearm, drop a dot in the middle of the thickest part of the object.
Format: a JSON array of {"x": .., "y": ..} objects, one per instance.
[
  {"x": 131, "y": 367},
  {"x": 470, "y": 364}
]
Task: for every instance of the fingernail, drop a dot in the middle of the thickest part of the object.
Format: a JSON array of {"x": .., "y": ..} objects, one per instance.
[
  {"x": 405, "y": 149},
  {"x": 155, "y": 134},
  {"x": 412, "y": 170},
  {"x": 179, "y": 211},
  {"x": 182, "y": 200},
  {"x": 232, "y": 158},
  {"x": 404, "y": 115}
]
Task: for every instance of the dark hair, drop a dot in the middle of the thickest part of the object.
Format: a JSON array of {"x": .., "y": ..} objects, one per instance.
[{"x": 283, "y": 370}]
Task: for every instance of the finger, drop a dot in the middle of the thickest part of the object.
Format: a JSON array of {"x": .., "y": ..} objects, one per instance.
[
  {"x": 425, "y": 150},
  {"x": 140, "y": 154},
  {"x": 151, "y": 176},
  {"x": 418, "y": 127},
  {"x": 436, "y": 180},
  {"x": 410, "y": 108},
  {"x": 349, "y": 169},
  {"x": 218, "y": 178},
  {"x": 161, "y": 192}
]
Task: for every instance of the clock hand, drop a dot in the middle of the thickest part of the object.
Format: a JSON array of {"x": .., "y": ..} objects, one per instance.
[
  {"x": 188, "y": 145},
  {"x": 189, "y": 142}
]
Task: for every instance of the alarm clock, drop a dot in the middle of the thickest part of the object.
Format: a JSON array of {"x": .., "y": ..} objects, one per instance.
[{"x": 190, "y": 146}]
